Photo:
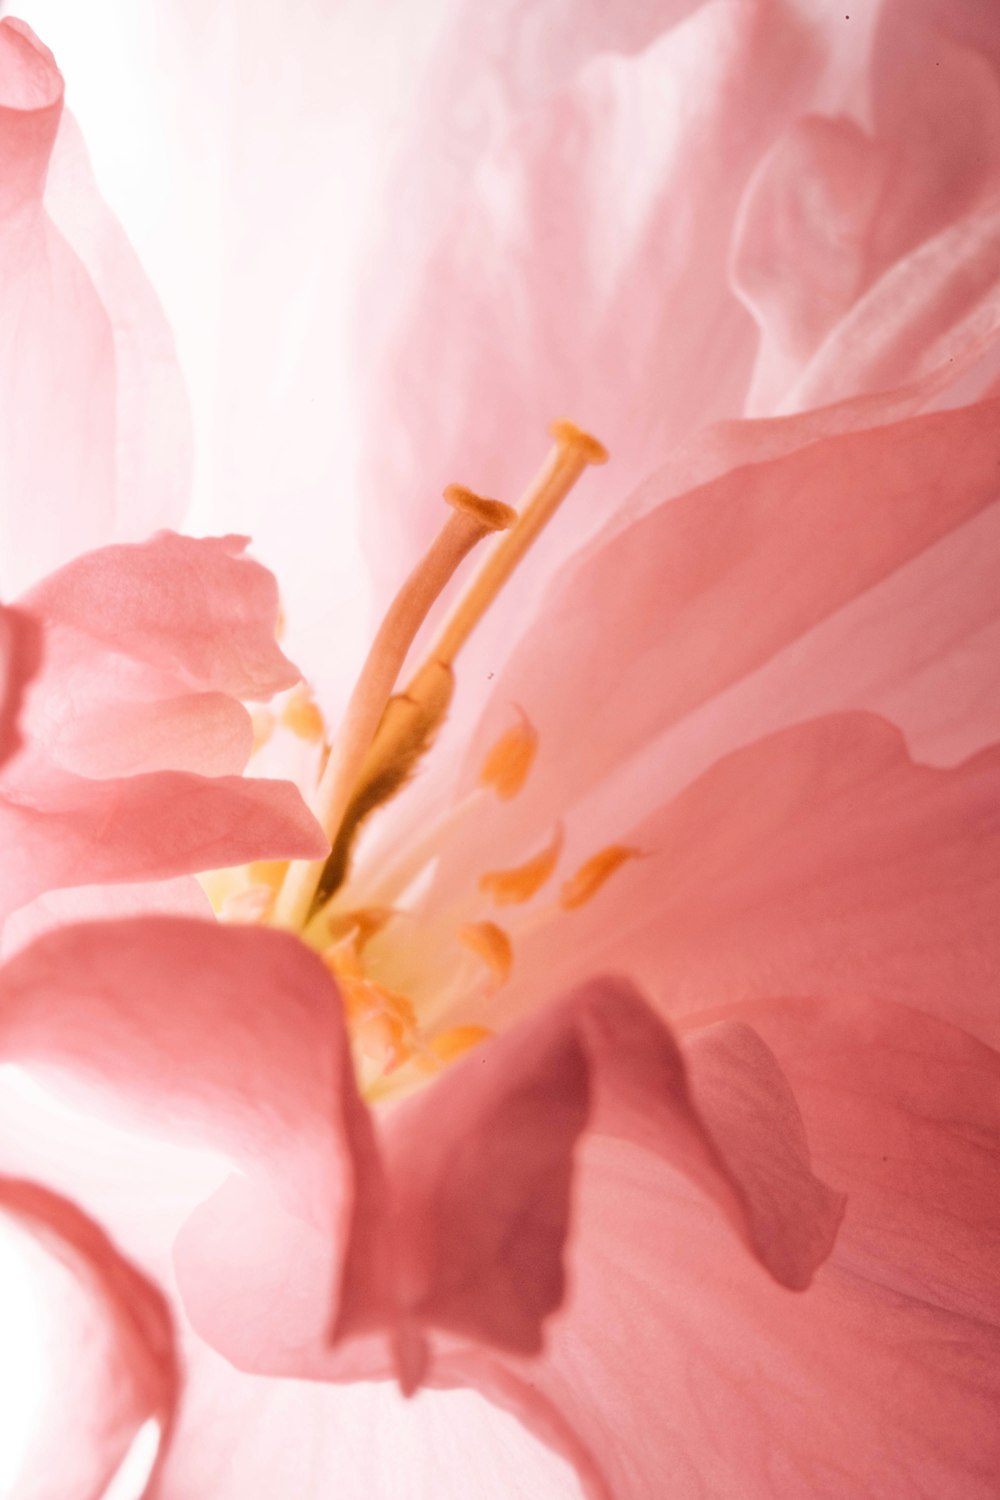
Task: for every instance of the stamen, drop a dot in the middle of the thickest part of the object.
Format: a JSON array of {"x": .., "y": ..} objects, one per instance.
[
  {"x": 593, "y": 873},
  {"x": 490, "y": 943},
  {"x": 470, "y": 521},
  {"x": 411, "y": 718},
  {"x": 507, "y": 764},
  {"x": 508, "y": 887}
]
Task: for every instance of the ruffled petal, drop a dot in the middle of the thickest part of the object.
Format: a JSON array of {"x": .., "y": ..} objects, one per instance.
[
  {"x": 110, "y": 1368},
  {"x": 708, "y": 1378},
  {"x": 467, "y": 1240},
  {"x": 147, "y": 648},
  {"x": 821, "y": 860}
]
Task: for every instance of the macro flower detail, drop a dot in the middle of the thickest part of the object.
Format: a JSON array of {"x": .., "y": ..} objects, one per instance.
[{"x": 573, "y": 1069}]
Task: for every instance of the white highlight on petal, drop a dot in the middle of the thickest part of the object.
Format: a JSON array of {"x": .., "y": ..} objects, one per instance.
[{"x": 22, "y": 1357}]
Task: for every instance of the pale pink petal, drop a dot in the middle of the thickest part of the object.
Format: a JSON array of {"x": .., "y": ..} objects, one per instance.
[
  {"x": 706, "y": 1378},
  {"x": 147, "y": 648},
  {"x": 149, "y": 827},
  {"x": 110, "y": 1363},
  {"x": 589, "y": 256},
  {"x": 245, "y": 1437},
  {"x": 902, "y": 223},
  {"x": 152, "y": 420},
  {"x": 820, "y": 860},
  {"x": 70, "y": 402}
]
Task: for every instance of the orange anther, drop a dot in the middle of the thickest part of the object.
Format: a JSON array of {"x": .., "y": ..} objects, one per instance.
[
  {"x": 459, "y": 1039},
  {"x": 508, "y": 887},
  {"x": 490, "y": 943},
  {"x": 302, "y": 717},
  {"x": 593, "y": 873},
  {"x": 507, "y": 764}
]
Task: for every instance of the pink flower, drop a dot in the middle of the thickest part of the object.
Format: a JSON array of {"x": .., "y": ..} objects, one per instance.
[{"x": 727, "y": 1225}]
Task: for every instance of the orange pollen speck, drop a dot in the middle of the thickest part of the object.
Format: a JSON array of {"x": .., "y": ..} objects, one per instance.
[
  {"x": 301, "y": 715},
  {"x": 593, "y": 873},
  {"x": 490, "y": 943},
  {"x": 508, "y": 887},
  {"x": 507, "y": 764}
]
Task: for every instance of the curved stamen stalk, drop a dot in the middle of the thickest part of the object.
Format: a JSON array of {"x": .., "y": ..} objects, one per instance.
[{"x": 473, "y": 518}]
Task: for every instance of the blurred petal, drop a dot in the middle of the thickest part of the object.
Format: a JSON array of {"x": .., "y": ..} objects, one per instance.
[
  {"x": 111, "y": 1363},
  {"x": 589, "y": 259},
  {"x": 75, "y": 383}
]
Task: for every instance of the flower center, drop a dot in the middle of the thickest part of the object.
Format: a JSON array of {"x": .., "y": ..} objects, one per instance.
[{"x": 411, "y": 975}]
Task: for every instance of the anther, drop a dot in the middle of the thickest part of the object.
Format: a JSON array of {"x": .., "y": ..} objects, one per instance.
[
  {"x": 490, "y": 943},
  {"x": 508, "y": 762},
  {"x": 510, "y": 887},
  {"x": 592, "y": 874}
]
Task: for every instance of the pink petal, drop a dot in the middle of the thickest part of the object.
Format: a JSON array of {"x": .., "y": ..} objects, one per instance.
[
  {"x": 589, "y": 255},
  {"x": 480, "y": 1165},
  {"x": 147, "y": 646},
  {"x": 820, "y": 860},
  {"x": 696, "y": 1375},
  {"x": 74, "y": 382},
  {"x": 902, "y": 223},
  {"x": 230, "y": 1039},
  {"x": 149, "y": 827},
  {"x": 245, "y": 1437},
  {"x": 469, "y": 1243},
  {"x": 152, "y": 420},
  {"x": 808, "y": 532},
  {"x": 112, "y": 1364}
]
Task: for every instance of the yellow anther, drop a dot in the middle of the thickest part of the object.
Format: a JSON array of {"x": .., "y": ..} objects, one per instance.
[
  {"x": 301, "y": 715},
  {"x": 593, "y": 873},
  {"x": 571, "y": 436},
  {"x": 507, "y": 764},
  {"x": 509, "y": 887},
  {"x": 490, "y": 943},
  {"x": 452, "y": 1044},
  {"x": 494, "y": 515}
]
